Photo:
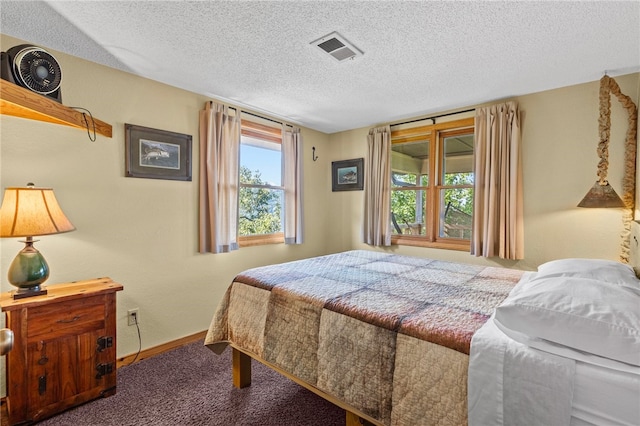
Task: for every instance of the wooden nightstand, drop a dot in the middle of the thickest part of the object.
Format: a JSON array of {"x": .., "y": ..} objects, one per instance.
[{"x": 64, "y": 349}]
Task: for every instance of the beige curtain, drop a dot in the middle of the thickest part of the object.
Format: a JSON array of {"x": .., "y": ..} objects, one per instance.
[
  {"x": 292, "y": 163},
  {"x": 498, "y": 207},
  {"x": 377, "y": 190},
  {"x": 219, "y": 163}
]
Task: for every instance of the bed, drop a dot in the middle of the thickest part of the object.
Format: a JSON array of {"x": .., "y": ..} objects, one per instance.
[{"x": 399, "y": 340}]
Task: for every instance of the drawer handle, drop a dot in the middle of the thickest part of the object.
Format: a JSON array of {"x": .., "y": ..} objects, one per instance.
[{"x": 67, "y": 321}]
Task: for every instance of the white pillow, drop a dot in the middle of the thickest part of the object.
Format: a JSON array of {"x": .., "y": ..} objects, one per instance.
[
  {"x": 588, "y": 315},
  {"x": 602, "y": 270}
]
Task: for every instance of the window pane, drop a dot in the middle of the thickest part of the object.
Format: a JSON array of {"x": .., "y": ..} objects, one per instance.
[
  {"x": 408, "y": 212},
  {"x": 260, "y": 211},
  {"x": 458, "y": 179},
  {"x": 410, "y": 163},
  {"x": 263, "y": 159},
  {"x": 456, "y": 217},
  {"x": 457, "y": 168},
  {"x": 403, "y": 179}
]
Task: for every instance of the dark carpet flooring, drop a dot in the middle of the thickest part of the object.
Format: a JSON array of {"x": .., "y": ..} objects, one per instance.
[{"x": 191, "y": 385}]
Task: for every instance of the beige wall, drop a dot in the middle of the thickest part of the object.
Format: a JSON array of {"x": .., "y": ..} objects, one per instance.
[
  {"x": 560, "y": 136},
  {"x": 140, "y": 232}
]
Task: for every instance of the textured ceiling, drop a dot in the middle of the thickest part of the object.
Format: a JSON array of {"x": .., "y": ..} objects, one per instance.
[{"x": 419, "y": 57}]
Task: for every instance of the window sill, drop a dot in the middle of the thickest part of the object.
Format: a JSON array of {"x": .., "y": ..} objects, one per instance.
[
  {"x": 422, "y": 242},
  {"x": 260, "y": 240}
]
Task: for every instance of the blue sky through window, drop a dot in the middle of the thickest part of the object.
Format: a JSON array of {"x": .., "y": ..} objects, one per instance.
[{"x": 267, "y": 161}]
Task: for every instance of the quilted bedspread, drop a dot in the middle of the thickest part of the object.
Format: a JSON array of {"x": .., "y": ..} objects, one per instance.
[{"x": 387, "y": 334}]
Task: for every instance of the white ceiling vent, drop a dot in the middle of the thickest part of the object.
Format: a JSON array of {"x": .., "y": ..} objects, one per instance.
[{"x": 337, "y": 46}]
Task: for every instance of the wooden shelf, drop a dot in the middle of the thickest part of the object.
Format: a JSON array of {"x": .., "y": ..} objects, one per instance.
[{"x": 20, "y": 102}]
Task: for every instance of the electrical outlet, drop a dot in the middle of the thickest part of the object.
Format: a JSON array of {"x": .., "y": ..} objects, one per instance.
[{"x": 132, "y": 315}]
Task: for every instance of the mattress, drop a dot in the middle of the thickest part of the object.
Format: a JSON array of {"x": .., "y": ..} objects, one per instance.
[
  {"x": 605, "y": 396},
  {"x": 552, "y": 390}
]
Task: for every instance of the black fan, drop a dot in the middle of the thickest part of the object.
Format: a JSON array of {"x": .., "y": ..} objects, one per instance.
[{"x": 34, "y": 68}]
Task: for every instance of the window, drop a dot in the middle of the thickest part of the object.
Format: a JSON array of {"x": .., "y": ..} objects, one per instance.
[
  {"x": 261, "y": 195},
  {"x": 432, "y": 185}
]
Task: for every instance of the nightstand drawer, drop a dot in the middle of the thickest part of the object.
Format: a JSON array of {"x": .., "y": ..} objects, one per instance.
[{"x": 57, "y": 319}]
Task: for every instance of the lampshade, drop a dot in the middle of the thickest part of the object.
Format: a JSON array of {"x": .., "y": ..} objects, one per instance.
[
  {"x": 26, "y": 212},
  {"x": 601, "y": 195},
  {"x": 31, "y": 211}
]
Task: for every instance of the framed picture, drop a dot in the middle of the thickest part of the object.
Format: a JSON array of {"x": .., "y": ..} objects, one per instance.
[
  {"x": 347, "y": 175},
  {"x": 157, "y": 154}
]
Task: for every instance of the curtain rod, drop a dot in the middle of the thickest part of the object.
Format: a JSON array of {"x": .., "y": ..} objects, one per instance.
[
  {"x": 258, "y": 116},
  {"x": 433, "y": 118}
]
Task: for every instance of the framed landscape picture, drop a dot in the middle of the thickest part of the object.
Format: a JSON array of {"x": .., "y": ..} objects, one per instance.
[
  {"x": 157, "y": 154},
  {"x": 347, "y": 175}
]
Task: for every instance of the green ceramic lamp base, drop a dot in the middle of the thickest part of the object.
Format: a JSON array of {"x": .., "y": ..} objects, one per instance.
[{"x": 27, "y": 271}]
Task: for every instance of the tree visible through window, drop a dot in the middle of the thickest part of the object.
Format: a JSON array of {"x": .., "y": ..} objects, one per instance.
[{"x": 260, "y": 206}]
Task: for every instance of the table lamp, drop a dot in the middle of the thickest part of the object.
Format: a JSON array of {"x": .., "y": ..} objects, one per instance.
[{"x": 27, "y": 212}]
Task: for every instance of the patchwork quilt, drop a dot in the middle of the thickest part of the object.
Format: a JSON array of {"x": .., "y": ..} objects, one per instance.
[{"x": 387, "y": 334}]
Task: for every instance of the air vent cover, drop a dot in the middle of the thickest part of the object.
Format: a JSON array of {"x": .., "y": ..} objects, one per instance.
[{"x": 337, "y": 46}]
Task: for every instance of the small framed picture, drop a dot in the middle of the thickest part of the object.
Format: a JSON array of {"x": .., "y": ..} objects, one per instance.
[
  {"x": 157, "y": 154},
  {"x": 347, "y": 175}
]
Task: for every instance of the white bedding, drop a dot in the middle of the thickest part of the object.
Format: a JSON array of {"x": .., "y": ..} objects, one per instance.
[
  {"x": 562, "y": 349},
  {"x": 513, "y": 384},
  {"x": 605, "y": 397}
]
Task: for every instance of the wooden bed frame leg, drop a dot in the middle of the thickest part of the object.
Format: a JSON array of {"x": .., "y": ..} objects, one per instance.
[
  {"x": 354, "y": 419},
  {"x": 241, "y": 368}
]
